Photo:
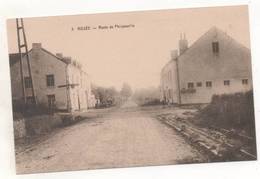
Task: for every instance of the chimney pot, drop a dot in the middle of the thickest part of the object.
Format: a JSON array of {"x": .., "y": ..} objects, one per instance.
[{"x": 183, "y": 44}]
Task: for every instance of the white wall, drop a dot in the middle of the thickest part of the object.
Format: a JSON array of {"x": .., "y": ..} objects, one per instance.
[
  {"x": 169, "y": 82},
  {"x": 79, "y": 95}
]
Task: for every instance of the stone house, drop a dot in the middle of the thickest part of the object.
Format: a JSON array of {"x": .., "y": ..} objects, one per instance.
[
  {"x": 214, "y": 64},
  {"x": 59, "y": 82}
]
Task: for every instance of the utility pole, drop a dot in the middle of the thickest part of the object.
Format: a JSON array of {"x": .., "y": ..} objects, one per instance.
[{"x": 22, "y": 44}]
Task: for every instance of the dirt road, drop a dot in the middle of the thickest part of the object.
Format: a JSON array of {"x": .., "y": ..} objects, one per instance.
[{"x": 122, "y": 137}]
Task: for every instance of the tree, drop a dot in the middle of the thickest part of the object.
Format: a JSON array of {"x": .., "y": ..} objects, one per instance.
[
  {"x": 106, "y": 96},
  {"x": 126, "y": 91},
  {"x": 147, "y": 96}
]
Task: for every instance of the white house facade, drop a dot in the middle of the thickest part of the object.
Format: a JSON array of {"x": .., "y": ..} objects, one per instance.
[
  {"x": 214, "y": 64},
  {"x": 58, "y": 81}
]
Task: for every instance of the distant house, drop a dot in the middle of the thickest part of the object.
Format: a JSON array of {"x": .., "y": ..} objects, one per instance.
[
  {"x": 58, "y": 81},
  {"x": 214, "y": 64}
]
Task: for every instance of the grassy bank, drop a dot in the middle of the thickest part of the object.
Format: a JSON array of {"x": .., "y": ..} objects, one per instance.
[{"x": 231, "y": 112}]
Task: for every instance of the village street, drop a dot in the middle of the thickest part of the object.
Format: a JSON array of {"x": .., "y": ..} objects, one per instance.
[{"x": 117, "y": 137}]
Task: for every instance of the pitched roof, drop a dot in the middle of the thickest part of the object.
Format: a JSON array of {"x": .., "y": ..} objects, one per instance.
[
  {"x": 58, "y": 58},
  {"x": 213, "y": 31},
  {"x": 15, "y": 57},
  {"x": 232, "y": 61}
]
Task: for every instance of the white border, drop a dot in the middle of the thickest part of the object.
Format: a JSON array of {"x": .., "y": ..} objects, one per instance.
[{"x": 28, "y": 8}]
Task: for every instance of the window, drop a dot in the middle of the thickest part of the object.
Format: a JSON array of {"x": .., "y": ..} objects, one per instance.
[
  {"x": 226, "y": 82},
  {"x": 199, "y": 84},
  {"x": 244, "y": 81},
  {"x": 27, "y": 82},
  {"x": 50, "y": 80},
  {"x": 190, "y": 85},
  {"x": 208, "y": 84},
  {"x": 215, "y": 47}
]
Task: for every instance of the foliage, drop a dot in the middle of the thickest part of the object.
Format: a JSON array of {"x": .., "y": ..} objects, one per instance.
[
  {"x": 230, "y": 111},
  {"x": 106, "y": 96},
  {"x": 28, "y": 110},
  {"x": 147, "y": 96},
  {"x": 126, "y": 91}
]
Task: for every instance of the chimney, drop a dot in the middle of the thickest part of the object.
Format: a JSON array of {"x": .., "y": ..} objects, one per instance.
[
  {"x": 59, "y": 55},
  {"x": 68, "y": 60},
  {"x": 183, "y": 44},
  {"x": 174, "y": 54},
  {"x": 36, "y": 46}
]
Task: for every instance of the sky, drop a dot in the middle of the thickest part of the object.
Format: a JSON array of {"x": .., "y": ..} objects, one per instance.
[{"x": 135, "y": 54}]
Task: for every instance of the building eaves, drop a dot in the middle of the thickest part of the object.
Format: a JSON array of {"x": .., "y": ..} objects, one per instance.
[
  {"x": 15, "y": 57},
  {"x": 58, "y": 58}
]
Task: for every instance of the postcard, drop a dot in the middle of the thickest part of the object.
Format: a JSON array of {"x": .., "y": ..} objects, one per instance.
[{"x": 130, "y": 89}]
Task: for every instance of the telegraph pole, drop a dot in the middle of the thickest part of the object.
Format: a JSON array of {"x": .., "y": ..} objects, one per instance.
[{"x": 22, "y": 43}]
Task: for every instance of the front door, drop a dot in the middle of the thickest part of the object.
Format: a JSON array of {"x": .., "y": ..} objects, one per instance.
[{"x": 51, "y": 102}]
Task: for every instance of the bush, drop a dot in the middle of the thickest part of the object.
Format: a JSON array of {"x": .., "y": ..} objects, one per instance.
[
  {"x": 147, "y": 96},
  {"x": 19, "y": 109},
  {"x": 230, "y": 111}
]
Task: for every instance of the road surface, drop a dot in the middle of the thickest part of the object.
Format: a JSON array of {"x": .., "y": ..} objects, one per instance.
[{"x": 124, "y": 137}]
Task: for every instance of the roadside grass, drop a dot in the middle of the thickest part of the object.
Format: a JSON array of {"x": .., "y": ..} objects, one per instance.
[{"x": 230, "y": 112}]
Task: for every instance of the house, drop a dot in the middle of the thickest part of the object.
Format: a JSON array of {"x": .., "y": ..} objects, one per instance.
[
  {"x": 59, "y": 82},
  {"x": 214, "y": 64}
]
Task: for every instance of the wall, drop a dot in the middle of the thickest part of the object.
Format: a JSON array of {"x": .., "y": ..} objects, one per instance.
[
  {"x": 79, "y": 94},
  {"x": 19, "y": 128},
  {"x": 169, "y": 82},
  {"x": 42, "y": 63},
  {"x": 35, "y": 125},
  {"x": 199, "y": 64}
]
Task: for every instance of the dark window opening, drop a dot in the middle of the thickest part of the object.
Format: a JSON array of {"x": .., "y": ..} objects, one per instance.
[
  {"x": 226, "y": 82},
  {"x": 199, "y": 84},
  {"x": 27, "y": 82},
  {"x": 190, "y": 85},
  {"x": 215, "y": 48},
  {"x": 208, "y": 84},
  {"x": 244, "y": 81},
  {"x": 50, "y": 80}
]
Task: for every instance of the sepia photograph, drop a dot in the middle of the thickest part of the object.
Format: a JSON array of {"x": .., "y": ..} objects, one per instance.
[{"x": 131, "y": 89}]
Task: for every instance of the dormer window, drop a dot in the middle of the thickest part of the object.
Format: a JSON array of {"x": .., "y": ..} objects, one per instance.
[{"x": 215, "y": 48}]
